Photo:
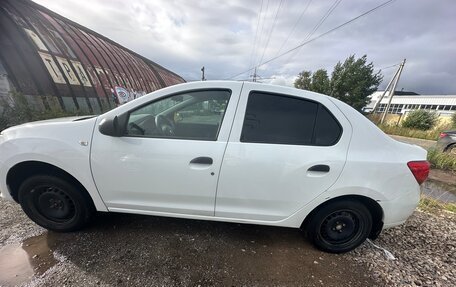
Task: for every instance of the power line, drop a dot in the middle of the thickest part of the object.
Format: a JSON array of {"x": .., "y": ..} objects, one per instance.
[
  {"x": 323, "y": 19},
  {"x": 270, "y": 31},
  {"x": 256, "y": 34},
  {"x": 318, "y": 37},
  {"x": 261, "y": 32},
  {"x": 317, "y": 26},
  {"x": 294, "y": 26},
  {"x": 388, "y": 67}
]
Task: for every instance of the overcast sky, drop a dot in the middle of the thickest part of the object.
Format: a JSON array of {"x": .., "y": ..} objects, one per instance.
[{"x": 220, "y": 35}]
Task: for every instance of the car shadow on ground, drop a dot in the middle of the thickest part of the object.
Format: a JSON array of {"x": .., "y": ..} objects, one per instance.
[{"x": 124, "y": 249}]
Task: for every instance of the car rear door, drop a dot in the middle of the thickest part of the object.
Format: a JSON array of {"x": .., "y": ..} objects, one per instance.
[{"x": 283, "y": 151}]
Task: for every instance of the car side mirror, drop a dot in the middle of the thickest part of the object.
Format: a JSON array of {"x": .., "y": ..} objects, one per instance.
[{"x": 112, "y": 126}]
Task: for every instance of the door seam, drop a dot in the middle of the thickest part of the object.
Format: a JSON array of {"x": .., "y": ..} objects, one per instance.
[{"x": 226, "y": 146}]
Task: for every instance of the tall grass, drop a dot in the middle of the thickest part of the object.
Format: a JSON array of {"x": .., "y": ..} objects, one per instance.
[
  {"x": 432, "y": 205},
  {"x": 413, "y": 133},
  {"x": 442, "y": 160}
]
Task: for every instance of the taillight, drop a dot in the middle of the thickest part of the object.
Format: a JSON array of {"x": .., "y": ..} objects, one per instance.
[
  {"x": 420, "y": 170},
  {"x": 442, "y": 135}
]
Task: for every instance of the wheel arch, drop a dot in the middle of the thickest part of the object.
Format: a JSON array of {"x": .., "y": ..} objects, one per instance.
[
  {"x": 449, "y": 146},
  {"x": 23, "y": 170},
  {"x": 373, "y": 206}
]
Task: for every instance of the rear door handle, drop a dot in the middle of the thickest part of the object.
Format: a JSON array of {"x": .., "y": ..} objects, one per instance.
[
  {"x": 319, "y": 168},
  {"x": 202, "y": 160}
]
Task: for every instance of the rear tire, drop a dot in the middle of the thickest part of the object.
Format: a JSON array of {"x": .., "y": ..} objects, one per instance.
[
  {"x": 55, "y": 203},
  {"x": 340, "y": 226}
]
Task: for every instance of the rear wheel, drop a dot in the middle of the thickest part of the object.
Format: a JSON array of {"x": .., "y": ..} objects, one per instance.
[
  {"x": 340, "y": 226},
  {"x": 54, "y": 203}
]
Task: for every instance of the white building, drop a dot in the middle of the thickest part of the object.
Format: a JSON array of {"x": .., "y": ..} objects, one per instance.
[{"x": 404, "y": 102}]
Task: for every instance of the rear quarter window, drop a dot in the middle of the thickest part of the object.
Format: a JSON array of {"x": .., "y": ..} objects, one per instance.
[{"x": 327, "y": 128}]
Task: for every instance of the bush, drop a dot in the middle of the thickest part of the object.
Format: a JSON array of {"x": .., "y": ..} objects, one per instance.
[{"x": 421, "y": 120}]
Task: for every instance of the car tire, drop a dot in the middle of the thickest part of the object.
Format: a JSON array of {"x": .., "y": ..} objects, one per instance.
[
  {"x": 55, "y": 203},
  {"x": 339, "y": 226}
]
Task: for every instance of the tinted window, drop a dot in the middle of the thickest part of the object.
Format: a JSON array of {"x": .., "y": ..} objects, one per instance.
[
  {"x": 327, "y": 131},
  {"x": 195, "y": 115},
  {"x": 279, "y": 119}
]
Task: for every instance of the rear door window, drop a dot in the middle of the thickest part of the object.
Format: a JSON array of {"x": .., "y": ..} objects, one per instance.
[{"x": 281, "y": 119}]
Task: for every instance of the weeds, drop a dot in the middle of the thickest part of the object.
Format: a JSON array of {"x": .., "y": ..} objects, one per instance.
[
  {"x": 21, "y": 111},
  {"x": 441, "y": 160},
  {"x": 412, "y": 133},
  {"x": 432, "y": 205}
]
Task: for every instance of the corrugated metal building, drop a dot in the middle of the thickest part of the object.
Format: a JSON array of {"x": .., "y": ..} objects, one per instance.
[
  {"x": 49, "y": 58},
  {"x": 403, "y": 103}
]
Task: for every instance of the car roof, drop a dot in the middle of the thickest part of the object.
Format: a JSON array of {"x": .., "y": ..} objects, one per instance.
[{"x": 252, "y": 86}]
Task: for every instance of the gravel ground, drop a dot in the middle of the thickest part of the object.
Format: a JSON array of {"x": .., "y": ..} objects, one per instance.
[
  {"x": 424, "y": 248},
  {"x": 131, "y": 250}
]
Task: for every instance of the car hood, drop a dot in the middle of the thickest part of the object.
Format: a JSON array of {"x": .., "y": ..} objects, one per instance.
[{"x": 58, "y": 125}]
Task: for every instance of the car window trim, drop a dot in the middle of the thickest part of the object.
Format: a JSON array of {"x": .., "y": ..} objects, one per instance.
[
  {"x": 124, "y": 133},
  {"x": 319, "y": 105}
]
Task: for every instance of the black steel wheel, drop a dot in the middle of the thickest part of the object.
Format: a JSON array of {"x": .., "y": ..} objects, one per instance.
[
  {"x": 54, "y": 203},
  {"x": 340, "y": 226}
]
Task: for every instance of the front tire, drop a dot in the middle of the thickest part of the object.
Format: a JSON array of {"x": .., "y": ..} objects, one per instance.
[
  {"x": 340, "y": 226},
  {"x": 54, "y": 203}
]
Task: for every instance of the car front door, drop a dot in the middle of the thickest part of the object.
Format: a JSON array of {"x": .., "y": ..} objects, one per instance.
[
  {"x": 169, "y": 157},
  {"x": 284, "y": 150}
]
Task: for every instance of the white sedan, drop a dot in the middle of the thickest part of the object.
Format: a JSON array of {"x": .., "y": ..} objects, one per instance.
[{"x": 225, "y": 151}]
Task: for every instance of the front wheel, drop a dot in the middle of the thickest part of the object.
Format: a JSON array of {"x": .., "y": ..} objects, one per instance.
[
  {"x": 340, "y": 226},
  {"x": 54, "y": 203}
]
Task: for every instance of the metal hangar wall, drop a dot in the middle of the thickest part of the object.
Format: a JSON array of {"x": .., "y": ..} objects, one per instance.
[{"x": 52, "y": 60}]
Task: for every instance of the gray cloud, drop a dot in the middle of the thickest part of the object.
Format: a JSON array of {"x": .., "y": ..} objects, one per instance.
[{"x": 185, "y": 35}]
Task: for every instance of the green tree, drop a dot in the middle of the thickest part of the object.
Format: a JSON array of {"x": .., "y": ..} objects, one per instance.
[
  {"x": 320, "y": 82},
  {"x": 354, "y": 80},
  {"x": 304, "y": 80}
]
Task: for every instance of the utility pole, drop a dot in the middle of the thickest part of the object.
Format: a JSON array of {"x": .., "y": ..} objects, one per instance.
[
  {"x": 391, "y": 93},
  {"x": 387, "y": 89},
  {"x": 202, "y": 74},
  {"x": 254, "y": 75}
]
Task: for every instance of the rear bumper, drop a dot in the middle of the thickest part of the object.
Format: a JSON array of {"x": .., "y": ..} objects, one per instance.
[{"x": 397, "y": 211}]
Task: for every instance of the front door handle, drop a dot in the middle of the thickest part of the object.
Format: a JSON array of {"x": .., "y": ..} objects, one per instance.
[
  {"x": 202, "y": 160},
  {"x": 319, "y": 168}
]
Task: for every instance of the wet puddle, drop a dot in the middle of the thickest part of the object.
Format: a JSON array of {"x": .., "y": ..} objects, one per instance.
[
  {"x": 20, "y": 262},
  {"x": 439, "y": 190}
]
